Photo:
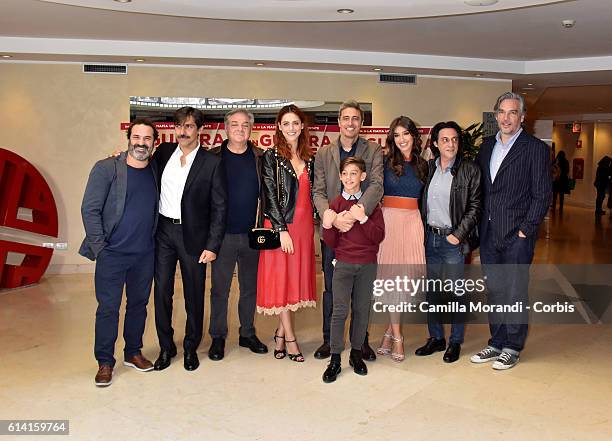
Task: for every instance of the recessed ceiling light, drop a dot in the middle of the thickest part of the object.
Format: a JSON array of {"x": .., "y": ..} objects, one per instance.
[
  {"x": 345, "y": 11},
  {"x": 477, "y": 74},
  {"x": 7, "y": 56},
  {"x": 123, "y": 1},
  {"x": 259, "y": 64},
  {"x": 480, "y": 2},
  {"x": 568, "y": 23},
  {"x": 377, "y": 69},
  {"x": 523, "y": 93},
  {"x": 140, "y": 60},
  {"x": 530, "y": 84}
]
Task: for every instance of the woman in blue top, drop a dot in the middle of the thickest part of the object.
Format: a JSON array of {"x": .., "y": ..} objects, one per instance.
[{"x": 402, "y": 250}]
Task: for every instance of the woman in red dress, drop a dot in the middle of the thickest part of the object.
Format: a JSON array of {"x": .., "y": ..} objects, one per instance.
[{"x": 286, "y": 275}]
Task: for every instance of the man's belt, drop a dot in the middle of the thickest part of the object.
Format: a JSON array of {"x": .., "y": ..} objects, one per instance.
[
  {"x": 440, "y": 231},
  {"x": 169, "y": 219}
]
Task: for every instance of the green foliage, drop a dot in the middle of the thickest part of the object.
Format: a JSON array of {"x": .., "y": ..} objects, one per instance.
[{"x": 471, "y": 139}]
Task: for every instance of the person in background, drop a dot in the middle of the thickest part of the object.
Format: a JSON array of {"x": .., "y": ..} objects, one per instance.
[
  {"x": 602, "y": 182},
  {"x": 561, "y": 181}
]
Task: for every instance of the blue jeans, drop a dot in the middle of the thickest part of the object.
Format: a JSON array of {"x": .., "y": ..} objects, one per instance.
[{"x": 445, "y": 261}]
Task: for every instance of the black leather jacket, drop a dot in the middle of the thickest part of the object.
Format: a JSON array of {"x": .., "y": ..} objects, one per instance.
[
  {"x": 280, "y": 188},
  {"x": 465, "y": 200}
]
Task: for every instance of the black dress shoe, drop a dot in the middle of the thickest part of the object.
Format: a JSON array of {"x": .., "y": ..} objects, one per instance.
[
  {"x": 323, "y": 352},
  {"x": 452, "y": 353},
  {"x": 357, "y": 363},
  {"x": 367, "y": 352},
  {"x": 217, "y": 349},
  {"x": 332, "y": 371},
  {"x": 254, "y": 344},
  {"x": 432, "y": 345},
  {"x": 191, "y": 361},
  {"x": 164, "y": 359}
]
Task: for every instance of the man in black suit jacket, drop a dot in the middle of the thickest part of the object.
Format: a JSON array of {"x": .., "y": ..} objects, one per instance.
[
  {"x": 517, "y": 189},
  {"x": 192, "y": 211}
]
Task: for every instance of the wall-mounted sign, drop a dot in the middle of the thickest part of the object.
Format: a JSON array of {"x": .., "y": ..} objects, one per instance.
[
  {"x": 579, "y": 143},
  {"x": 576, "y": 127},
  {"x": 263, "y": 135}
]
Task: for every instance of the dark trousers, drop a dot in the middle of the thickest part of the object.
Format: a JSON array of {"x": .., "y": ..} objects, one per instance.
[
  {"x": 353, "y": 285},
  {"x": 561, "y": 196},
  {"x": 444, "y": 262},
  {"x": 170, "y": 249},
  {"x": 507, "y": 272},
  {"x": 113, "y": 271},
  {"x": 327, "y": 257},
  {"x": 234, "y": 250},
  {"x": 601, "y": 195}
]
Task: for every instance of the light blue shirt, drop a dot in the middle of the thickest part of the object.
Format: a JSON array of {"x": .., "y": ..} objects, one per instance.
[
  {"x": 438, "y": 196},
  {"x": 500, "y": 151}
]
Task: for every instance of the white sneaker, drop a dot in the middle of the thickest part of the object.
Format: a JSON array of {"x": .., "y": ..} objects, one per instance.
[
  {"x": 486, "y": 355},
  {"x": 505, "y": 361}
]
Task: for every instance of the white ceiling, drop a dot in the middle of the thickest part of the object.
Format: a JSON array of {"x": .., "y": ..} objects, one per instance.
[
  {"x": 303, "y": 10},
  {"x": 527, "y": 45}
]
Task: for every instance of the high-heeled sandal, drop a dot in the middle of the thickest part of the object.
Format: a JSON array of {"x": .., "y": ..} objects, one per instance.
[
  {"x": 279, "y": 354},
  {"x": 298, "y": 358},
  {"x": 381, "y": 349},
  {"x": 396, "y": 356}
]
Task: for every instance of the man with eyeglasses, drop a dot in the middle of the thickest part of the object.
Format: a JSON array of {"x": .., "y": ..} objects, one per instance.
[
  {"x": 192, "y": 212},
  {"x": 517, "y": 190},
  {"x": 241, "y": 160}
]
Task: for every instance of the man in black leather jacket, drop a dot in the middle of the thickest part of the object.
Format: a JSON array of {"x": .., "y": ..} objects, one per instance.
[{"x": 451, "y": 209}]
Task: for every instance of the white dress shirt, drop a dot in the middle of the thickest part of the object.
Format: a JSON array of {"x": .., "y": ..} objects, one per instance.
[{"x": 173, "y": 183}]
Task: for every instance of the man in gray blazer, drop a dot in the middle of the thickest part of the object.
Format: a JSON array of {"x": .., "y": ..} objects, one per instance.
[
  {"x": 119, "y": 213},
  {"x": 327, "y": 187}
]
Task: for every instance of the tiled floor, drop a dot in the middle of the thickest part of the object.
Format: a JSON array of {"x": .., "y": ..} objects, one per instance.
[{"x": 561, "y": 389}]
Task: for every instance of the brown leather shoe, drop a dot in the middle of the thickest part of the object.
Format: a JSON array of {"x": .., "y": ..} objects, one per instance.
[
  {"x": 104, "y": 377},
  {"x": 139, "y": 363}
]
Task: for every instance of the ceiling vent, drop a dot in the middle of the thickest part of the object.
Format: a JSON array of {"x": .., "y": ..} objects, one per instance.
[
  {"x": 397, "y": 78},
  {"x": 118, "y": 69}
]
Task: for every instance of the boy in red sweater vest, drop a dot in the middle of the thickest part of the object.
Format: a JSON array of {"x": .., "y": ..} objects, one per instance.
[{"x": 355, "y": 267}]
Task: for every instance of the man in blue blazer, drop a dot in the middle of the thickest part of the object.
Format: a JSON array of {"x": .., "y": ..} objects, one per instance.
[
  {"x": 119, "y": 213},
  {"x": 517, "y": 190}
]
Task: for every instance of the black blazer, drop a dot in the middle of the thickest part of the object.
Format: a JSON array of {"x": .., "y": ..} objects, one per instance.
[
  {"x": 522, "y": 191},
  {"x": 204, "y": 201}
]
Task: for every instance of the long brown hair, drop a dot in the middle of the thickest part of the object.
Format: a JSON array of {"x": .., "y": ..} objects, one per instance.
[
  {"x": 303, "y": 148},
  {"x": 395, "y": 158}
]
